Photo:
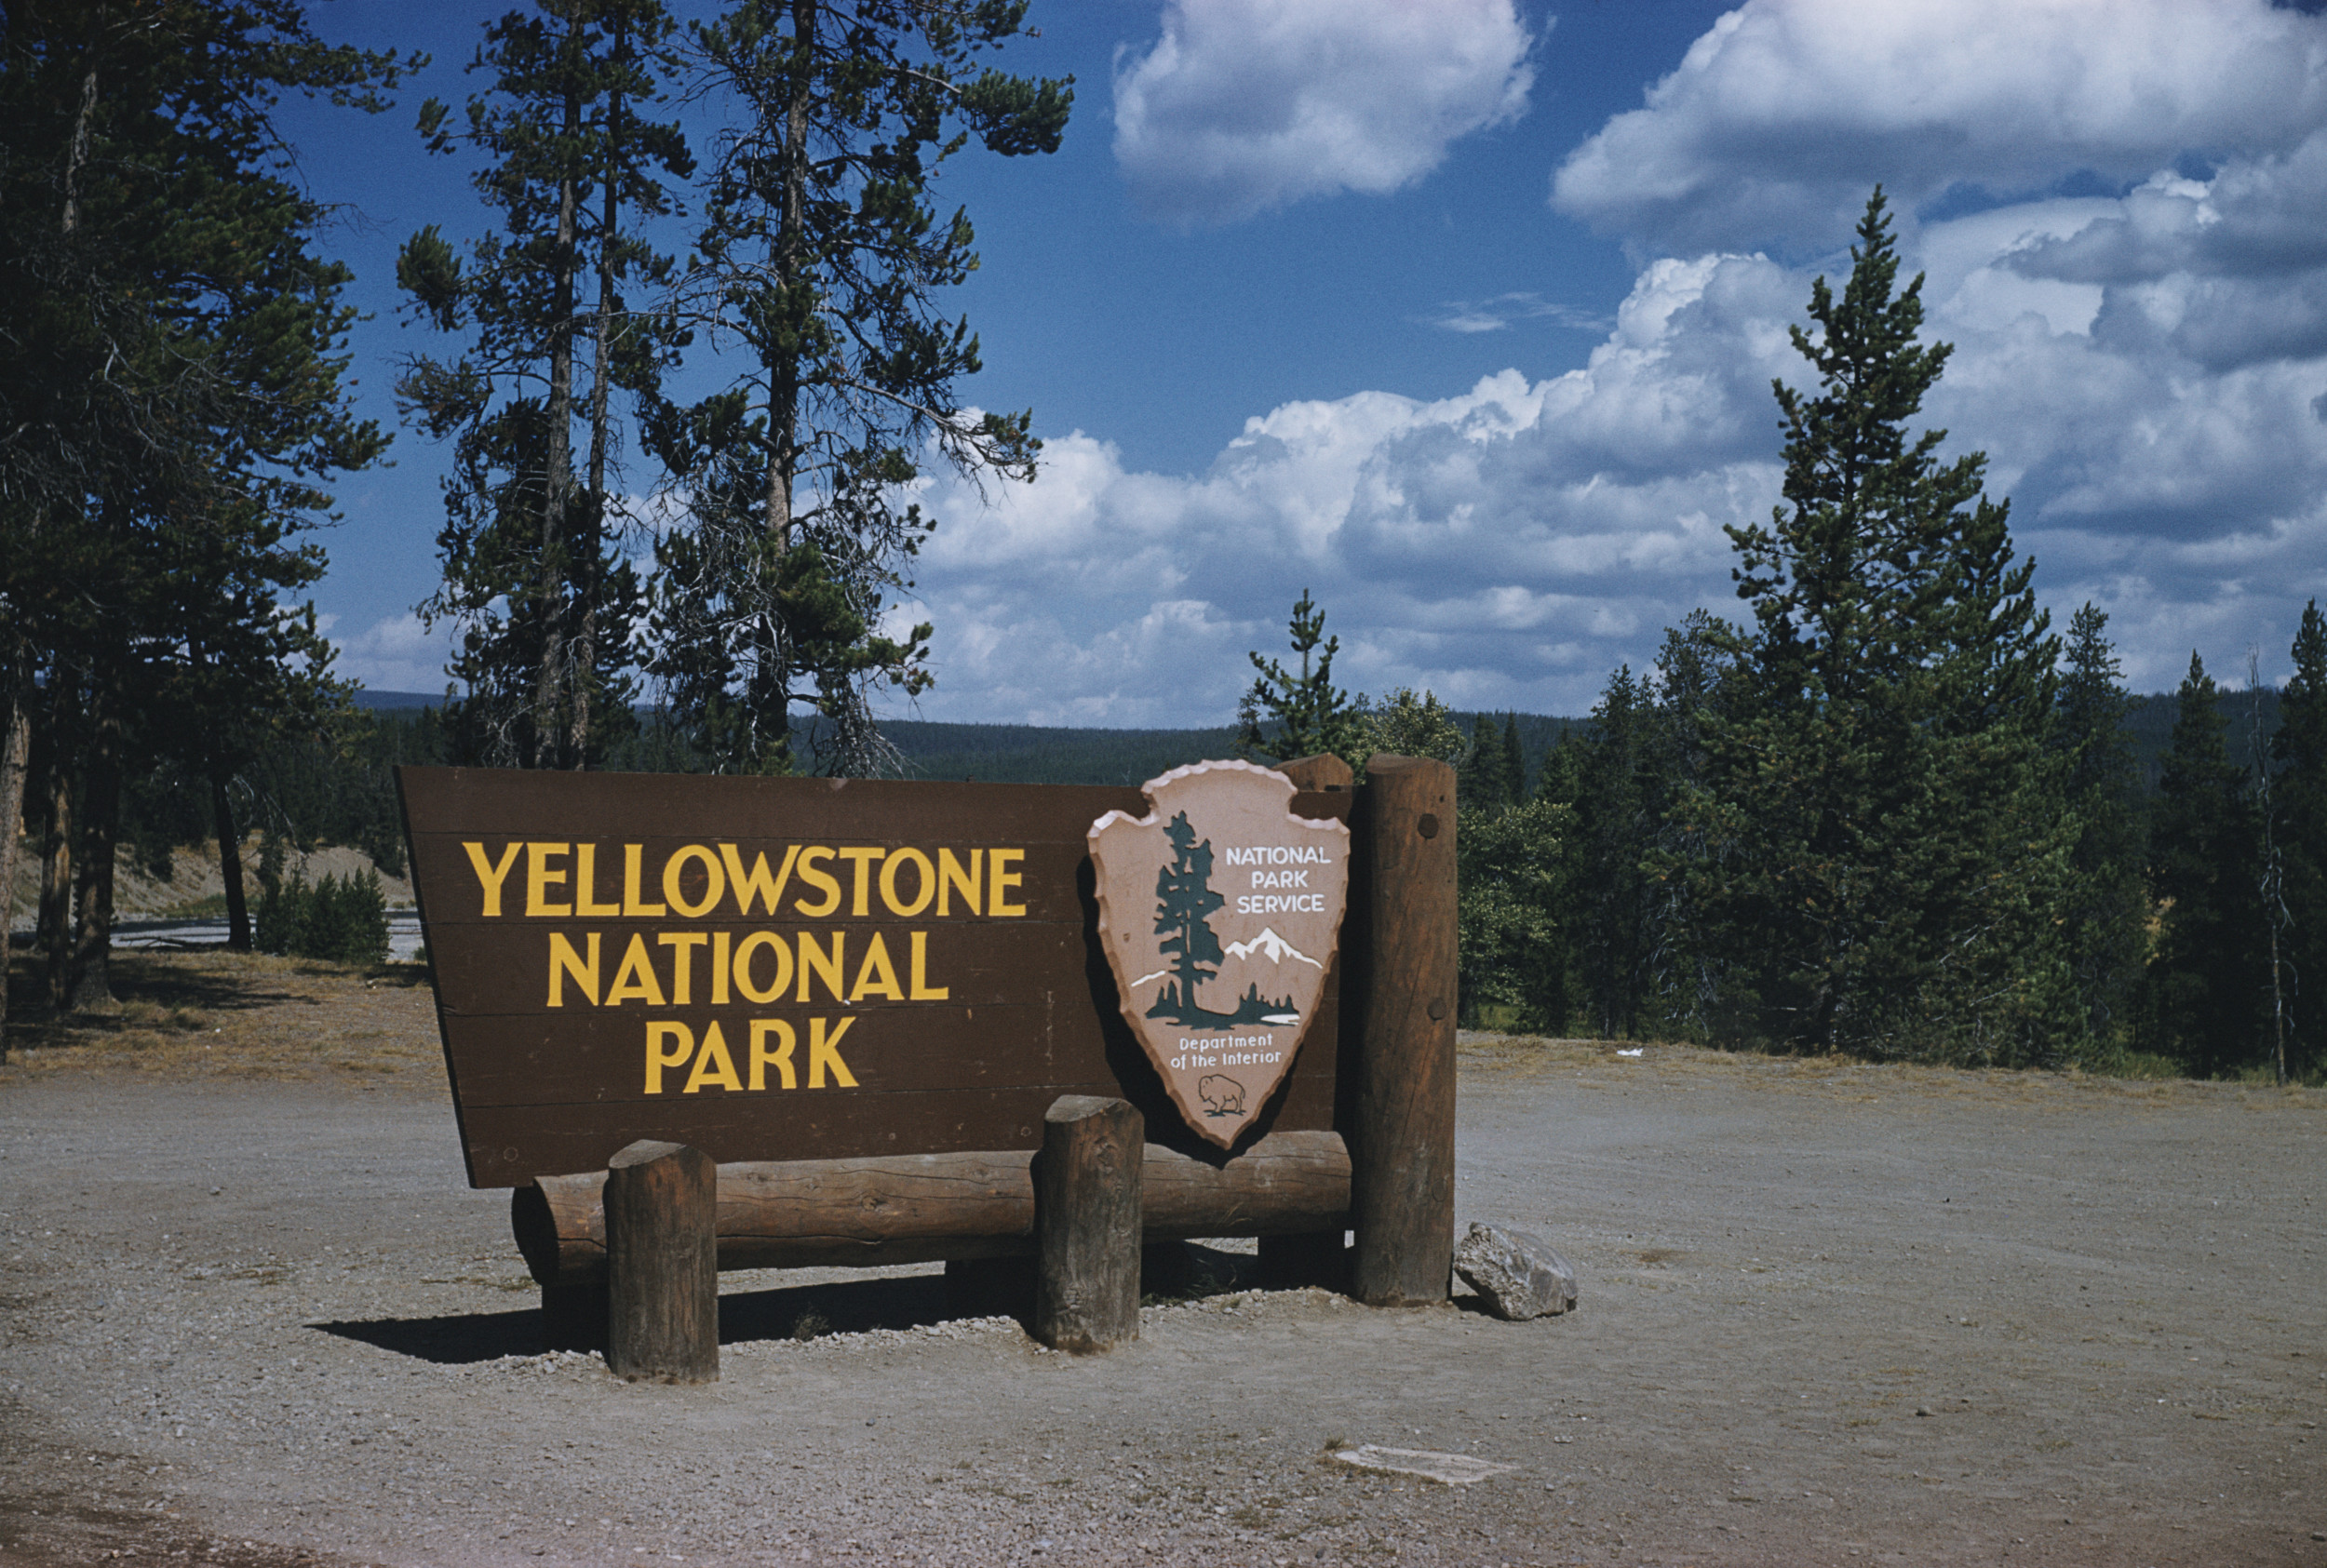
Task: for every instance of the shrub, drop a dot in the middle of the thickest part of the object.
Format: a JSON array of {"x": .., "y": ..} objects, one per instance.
[{"x": 343, "y": 921}]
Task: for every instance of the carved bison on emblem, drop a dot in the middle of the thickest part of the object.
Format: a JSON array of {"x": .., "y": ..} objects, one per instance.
[{"x": 1223, "y": 1095}]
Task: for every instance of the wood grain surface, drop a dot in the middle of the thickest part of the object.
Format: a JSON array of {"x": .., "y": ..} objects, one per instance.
[
  {"x": 1030, "y": 1012},
  {"x": 1402, "y": 1193},
  {"x": 921, "y": 1208},
  {"x": 1086, "y": 1225},
  {"x": 662, "y": 1264}
]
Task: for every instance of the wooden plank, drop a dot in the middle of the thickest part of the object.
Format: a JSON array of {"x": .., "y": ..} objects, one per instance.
[
  {"x": 1086, "y": 1225},
  {"x": 1030, "y": 1011},
  {"x": 1402, "y": 1194},
  {"x": 509, "y": 1145},
  {"x": 601, "y": 1058}
]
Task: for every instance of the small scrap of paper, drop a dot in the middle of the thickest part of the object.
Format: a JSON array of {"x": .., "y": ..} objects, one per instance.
[{"x": 1455, "y": 1469}]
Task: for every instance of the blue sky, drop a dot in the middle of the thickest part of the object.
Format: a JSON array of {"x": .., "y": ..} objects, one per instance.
[{"x": 1463, "y": 313}]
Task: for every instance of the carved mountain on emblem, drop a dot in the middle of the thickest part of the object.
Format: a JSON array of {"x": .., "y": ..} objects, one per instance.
[{"x": 1275, "y": 947}]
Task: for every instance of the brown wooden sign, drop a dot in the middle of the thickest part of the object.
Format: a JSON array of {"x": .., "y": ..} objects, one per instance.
[
  {"x": 1219, "y": 910},
  {"x": 780, "y": 968}
]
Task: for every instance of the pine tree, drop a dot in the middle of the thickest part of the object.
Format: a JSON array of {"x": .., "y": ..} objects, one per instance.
[
  {"x": 1482, "y": 783},
  {"x": 2300, "y": 748},
  {"x": 1883, "y": 838},
  {"x": 1405, "y": 724},
  {"x": 542, "y": 599},
  {"x": 2206, "y": 980},
  {"x": 1515, "y": 758},
  {"x": 171, "y": 348},
  {"x": 1512, "y": 915},
  {"x": 2107, "y": 905},
  {"x": 818, "y": 265},
  {"x": 1616, "y": 815},
  {"x": 1287, "y": 714}
]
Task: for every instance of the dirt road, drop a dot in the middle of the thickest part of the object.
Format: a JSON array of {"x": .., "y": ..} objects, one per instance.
[{"x": 249, "y": 1314}]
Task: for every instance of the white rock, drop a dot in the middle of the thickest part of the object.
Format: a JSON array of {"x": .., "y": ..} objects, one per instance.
[{"x": 1455, "y": 1469}]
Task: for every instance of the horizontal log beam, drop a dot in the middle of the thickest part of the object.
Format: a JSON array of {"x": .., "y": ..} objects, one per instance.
[{"x": 927, "y": 1207}]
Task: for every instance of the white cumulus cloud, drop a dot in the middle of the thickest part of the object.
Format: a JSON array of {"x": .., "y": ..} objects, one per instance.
[
  {"x": 395, "y": 654},
  {"x": 1779, "y": 118},
  {"x": 1505, "y": 547},
  {"x": 1242, "y": 106}
]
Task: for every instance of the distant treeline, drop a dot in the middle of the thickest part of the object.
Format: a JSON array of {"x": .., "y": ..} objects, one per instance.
[{"x": 337, "y": 787}]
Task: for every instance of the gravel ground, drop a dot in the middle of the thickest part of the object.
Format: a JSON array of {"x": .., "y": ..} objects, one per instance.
[{"x": 251, "y": 1316}]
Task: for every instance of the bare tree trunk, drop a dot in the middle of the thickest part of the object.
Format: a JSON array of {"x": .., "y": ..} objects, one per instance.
[
  {"x": 548, "y": 735},
  {"x": 786, "y": 253},
  {"x": 93, "y": 934},
  {"x": 786, "y": 257},
  {"x": 591, "y": 549},
  {"x": 15, "y": 753},
  {"x": 229, "y": 868},
  {"x": 76, "y": 150},
  {"x": 2270, "y": 886},
  {"x": 56, "y": 882}
]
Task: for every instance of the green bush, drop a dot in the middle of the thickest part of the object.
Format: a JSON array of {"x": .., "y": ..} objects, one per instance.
[{"x": 343, "y": 921}]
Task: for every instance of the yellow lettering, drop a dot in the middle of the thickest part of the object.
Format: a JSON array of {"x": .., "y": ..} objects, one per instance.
[
  {"x": 713, "y": 1064},
  {"x": 950, "y": 875},
  {"x": 925, "y": 879},
  {"x": 716, "y": 881},
  {"x": 564, "y": 960},
  {"x": 999, "y": 879},
  {"x": 825, "y": 880},
  {"x": 718, "y": 968},
  {"x": 876, "y": 976},
  {"x": 781, "y": 1056},
  {"x": 812, "y": 958},
  {"x": 751, "y": 945},
  {"x": 657, "y": 1058},
  {"x": 586, "y": 905},
  {"x": 490, "y": 876},
  {"x": 863, "y": 855},
  {"x": 922, "y": 990},
  {"x": 636, "y": 978},
  {"x": 539, "y": 879},
  {"x": 755, "y": 883},
  {"x": 682, "y": 945},
  {"x": 823, "y": 1050},
  {"x": 631, "y": 872}
]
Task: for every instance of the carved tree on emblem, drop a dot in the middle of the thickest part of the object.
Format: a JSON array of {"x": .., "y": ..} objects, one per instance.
[{"x": 1184, "y": 902}]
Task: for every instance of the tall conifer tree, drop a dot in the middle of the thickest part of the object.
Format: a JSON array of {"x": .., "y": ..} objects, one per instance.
[
  {"x": 820, "y": 262},
  {"x": 1617, "y": 811},
  {"x": 2207, "y": 978},
  {"x": 1887, "y": 845},
  {"x": 1300, "y": 713},
  {"x": 2107, "y": 904},
  {"x": 542, "y": 597},
  {"x": 171, "y": 347},
  {"x": 2300, "y": 748}
]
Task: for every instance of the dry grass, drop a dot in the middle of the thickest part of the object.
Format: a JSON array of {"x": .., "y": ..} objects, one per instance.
[
  {"x": 247, "y": 1015},
  {"x": 1842, "y": 1077},
  {"x": 233, "y": 1014}
]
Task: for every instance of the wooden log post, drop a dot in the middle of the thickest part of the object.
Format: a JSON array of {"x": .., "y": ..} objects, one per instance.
[
  {"x": 920, "y": 1208},
  {"x": 1401, "y": 1153},
  {"x": 1086, "y": 1224},
  {"x": 1314, "y": 1257},
  {"x": 662, "y": 1264}
]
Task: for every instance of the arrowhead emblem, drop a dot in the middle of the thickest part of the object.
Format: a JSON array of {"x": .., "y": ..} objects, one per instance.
[{"x": 1219, "y": 910}]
